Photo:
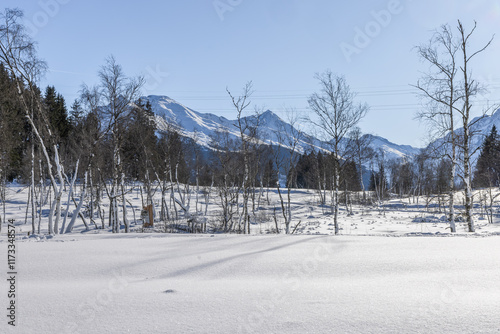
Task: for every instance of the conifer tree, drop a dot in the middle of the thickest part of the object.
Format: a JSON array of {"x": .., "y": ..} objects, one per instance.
[
  {"x": 13, "y": 129},
  {"x": 488, "y": 165},
  {"x": 57, "y": 113},
  {"x": 269, "y": 175}
]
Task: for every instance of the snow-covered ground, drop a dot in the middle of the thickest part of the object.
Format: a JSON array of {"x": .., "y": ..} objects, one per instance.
[
  {"x": 396, "y": 217},
  {"x": 396, "y": 270},
  {"x": 157, "y": 283}
]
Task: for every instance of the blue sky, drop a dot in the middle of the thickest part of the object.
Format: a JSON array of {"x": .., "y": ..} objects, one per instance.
[{"x": 191, "y": 50}]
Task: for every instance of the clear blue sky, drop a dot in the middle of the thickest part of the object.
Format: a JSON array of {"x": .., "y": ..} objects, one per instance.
[{"x": 191, "y": 50}]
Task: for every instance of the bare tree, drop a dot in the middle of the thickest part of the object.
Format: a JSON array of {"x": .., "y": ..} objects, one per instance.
[
  {"x": 18, "y": 56},
  {"x": 113, "y": 99},
  {"x": 361, "y": 152},
  {"x": 289, "y": 136},
  {"x": 470, "y": 88},
  {"x": 226, "y": 176},
  {"x": 247, "y": 128},
  {"x": 336, "y": 114},
  {"x": 450, "y": 89},
  {"x": 119, "y": 92},
  {"x": 440, "y": 89}
]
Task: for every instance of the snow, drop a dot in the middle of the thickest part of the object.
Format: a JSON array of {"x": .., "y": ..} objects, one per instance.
[
  {"x": 391, "y": 150},
  {"x": 141, "y": 283},
  {"x": 395, "y": 269}
]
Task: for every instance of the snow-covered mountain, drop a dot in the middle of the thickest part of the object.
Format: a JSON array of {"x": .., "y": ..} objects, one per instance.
[
  {"x": 188, "y": 122},
  {"x": 390, "y": 150},
  {"x": 481, "y": 127},
  {"x": 202, "y": 127}
]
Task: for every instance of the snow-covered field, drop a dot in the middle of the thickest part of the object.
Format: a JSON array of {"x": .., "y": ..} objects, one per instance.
[
  {"x": 140, "y": 283},
  {"x": 396, "y": 217},
  {"x": 396, "y": 270}
]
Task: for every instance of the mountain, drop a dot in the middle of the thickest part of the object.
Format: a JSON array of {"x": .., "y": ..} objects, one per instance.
[
  {"x": 480, "y": 128},
  {"x": 202, "y": 127},
  {"x": 390, "y": 150},
  {"x": 188, "y": 122}
]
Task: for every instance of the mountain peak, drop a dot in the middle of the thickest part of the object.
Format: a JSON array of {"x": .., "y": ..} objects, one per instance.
[
  {"x": 269, "y": 115},
  {"x": 203, "y": 126},
  {"x": 158, "y": 97}
]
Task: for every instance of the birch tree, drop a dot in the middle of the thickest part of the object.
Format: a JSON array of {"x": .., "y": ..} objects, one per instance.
[
  {"x": 115, "y": 94},
  {"x": 18, "y": 55},
  {"x": 470, "y": 88},
  {"x": 289, "y": 137},
  {"x": 226, "y": 174},
  {"x": 450, "y": 89},
  {"x": 119, "y": 92},
  {"x": 247, "y": 129},
  {"x": 336, "y": 113},
  {"x": 440, "y": 88}
]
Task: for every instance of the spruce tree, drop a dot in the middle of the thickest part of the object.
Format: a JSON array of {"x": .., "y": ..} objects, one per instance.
[
  {"x": 488, "y": 165},
  {"x": 13, "y": 129},
  {"x": 378, "y": 182},
  {"x": 269, "y": 175},
  {"x": 139, "y": 142},
  {"x": 349, "y": 176},
  {"x": 57, "y": 113}
]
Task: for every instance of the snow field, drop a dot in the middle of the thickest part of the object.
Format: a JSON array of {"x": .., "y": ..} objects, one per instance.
[
  {"x": 396, "y": 217},
  {"x": 364, "y": 281},
  {"x": 139, "y": 283}
]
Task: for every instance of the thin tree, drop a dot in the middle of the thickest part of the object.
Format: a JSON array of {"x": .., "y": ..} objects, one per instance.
[
  {"x": 440, "y": 87},
  {"x": 18, "y": 55},
  {"x": 360, "y": 152},
  {"x": 336, "y": 114},
  {"x": 451, "y": 89},
  {"x": 470, "y": 88},
  {"x": 289, "y": 136},
  {"x": 115, "y": 94},
  {"x": 247, "y": 129},
  {"x": 226, "y": 174}
]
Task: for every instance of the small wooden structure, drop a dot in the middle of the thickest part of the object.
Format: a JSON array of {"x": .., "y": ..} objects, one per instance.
[{"x": 147, "y": 216}]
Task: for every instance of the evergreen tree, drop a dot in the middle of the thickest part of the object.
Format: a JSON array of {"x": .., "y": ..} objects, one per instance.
[
  {"x": 269, "y": 175},
  {"x": 76, "y": 113},
  {"x": 443, "y": 174},
  {"x": 378, "y": 182},
  {"x": 488, "y": 165},
  {"x": 14, "y": 130},
  {"x": 349, "y": 177},
  {"x": 139, "y": 142},
  {"x": 402, "y": 176},
  {"x": 57, "y": 113},
  {"x": 305, "y": 170}
]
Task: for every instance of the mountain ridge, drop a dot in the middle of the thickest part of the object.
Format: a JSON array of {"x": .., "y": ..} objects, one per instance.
[
  {"x": 480, "y": 128},
  {"x": 202, "y": 127}
]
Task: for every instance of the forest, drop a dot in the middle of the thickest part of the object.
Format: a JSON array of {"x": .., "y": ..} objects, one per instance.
[{"x": 83, "y": 162}]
